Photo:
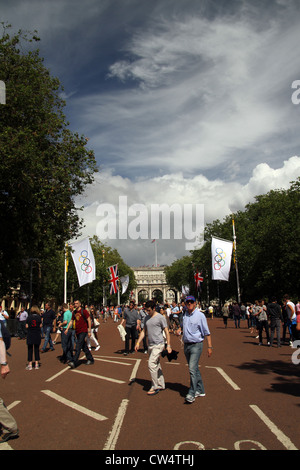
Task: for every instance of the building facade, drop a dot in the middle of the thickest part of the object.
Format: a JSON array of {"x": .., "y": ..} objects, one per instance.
[{"x": 151, "y": 283}]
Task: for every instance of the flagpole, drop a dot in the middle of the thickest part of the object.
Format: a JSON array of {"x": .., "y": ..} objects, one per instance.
[
  {"x": 236, "y": 262},
  {"x": 103, "y": 288},
  {"x": 155, "y": 251},
  {"x": 65, "y": 275}
]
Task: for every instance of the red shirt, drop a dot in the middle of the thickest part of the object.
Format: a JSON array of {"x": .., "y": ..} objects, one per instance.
[{"x": 81, "y": 324}]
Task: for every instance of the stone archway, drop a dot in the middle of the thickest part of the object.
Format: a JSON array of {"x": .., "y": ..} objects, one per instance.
[{"x": 151, "y": 279}]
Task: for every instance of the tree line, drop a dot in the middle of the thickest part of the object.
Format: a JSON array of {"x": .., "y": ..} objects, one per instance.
[{"x": 268, "y": 250}]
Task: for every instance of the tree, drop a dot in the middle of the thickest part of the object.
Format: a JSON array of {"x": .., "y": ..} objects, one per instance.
[{"x": 43, "y": 164}]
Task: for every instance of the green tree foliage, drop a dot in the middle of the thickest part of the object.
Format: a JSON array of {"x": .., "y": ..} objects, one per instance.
[
  {"x": 43, "y": 164},
  {"x": 268, "y": 249},
  {"x": 105, "y": 256}
]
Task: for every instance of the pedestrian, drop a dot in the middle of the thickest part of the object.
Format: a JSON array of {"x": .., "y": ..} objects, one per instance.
[
  {"x": 8, "y": 424},
  {"x": 48, "y": 319},
  {"x": 22, "y": 317},
  {"x": 195, "y": 330},
  {"x": 142, "y": 316},
  {"x": 94, "y": 329},
  {"x": 262, "y": 318},
  {"x": 66, "y": 335},
  {"x": 236, "y": 311},
  {"x": 155, "y": 325},
  {"x": 83, "y": 330},
  {"x": 58, "y": 321},
  {"x": 131, "y": 322},
  {"x": 275, "y": 315},
  {"x": 292, "y": 317},
  {"x": 34, "y": 336},
  {"x": 225, "y": 313},
  {"x": 3, "y": 316}
]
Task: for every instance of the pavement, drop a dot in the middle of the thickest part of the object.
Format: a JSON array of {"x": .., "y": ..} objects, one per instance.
[{"x": 252, "y": 399}]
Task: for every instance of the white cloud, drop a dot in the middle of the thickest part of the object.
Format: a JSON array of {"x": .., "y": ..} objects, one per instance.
[{"x": 218, "y": 197}]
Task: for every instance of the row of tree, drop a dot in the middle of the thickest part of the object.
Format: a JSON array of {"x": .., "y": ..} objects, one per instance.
[
  {"x": 268, "y": 250},
  {"x": 43, "y": 168}
]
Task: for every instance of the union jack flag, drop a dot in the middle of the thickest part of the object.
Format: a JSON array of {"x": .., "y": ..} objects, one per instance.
[
  {"x": 198, "y": 279},
  {"x": 114, "y": 279}
]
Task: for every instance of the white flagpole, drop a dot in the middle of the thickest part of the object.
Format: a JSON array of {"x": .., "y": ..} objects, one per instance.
[
  {"x": 66, "y": 270},
  {"x": 235, "y": 262}
]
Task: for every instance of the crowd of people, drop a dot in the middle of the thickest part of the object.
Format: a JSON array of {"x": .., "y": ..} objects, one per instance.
[
  {"x": 267, "y": 319},
  {"x": 150, "y": 324}
]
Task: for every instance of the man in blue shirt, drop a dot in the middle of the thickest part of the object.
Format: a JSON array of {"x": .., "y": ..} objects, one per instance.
[{"x": 195, "y": 329}]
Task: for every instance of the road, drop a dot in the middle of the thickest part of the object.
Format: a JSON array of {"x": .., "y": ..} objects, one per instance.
[{"x": 252, "y": 398}]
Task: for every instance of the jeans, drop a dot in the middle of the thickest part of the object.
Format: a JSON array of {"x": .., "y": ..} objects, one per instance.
[
  {"x": 275, "y": 325},
  {"x": 82, "y": 345},
  {"x": 130, "y": 332},
  {"x": 192, "y": 353},
  {"x": 158, "y": 381},
  {"x": 47, "y": 332},
  {"x": 263, "y": 325},
  {"x": 66, "y": 343}
]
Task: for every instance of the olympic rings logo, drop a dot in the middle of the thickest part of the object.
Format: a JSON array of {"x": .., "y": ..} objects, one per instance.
[
  {"x": 85, "y": 262},
  {"x": 219, "y": 259}
]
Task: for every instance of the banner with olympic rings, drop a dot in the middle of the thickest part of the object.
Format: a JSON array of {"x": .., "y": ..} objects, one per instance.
[
  {"x": 84, "y": 261},
  {"x": 221, "y": 252}
]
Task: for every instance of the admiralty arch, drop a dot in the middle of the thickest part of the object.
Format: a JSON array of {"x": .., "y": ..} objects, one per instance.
[{"x": 151, "y": 283}]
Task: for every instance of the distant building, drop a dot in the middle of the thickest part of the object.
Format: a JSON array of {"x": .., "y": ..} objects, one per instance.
[{"x": 151, "y": 283}]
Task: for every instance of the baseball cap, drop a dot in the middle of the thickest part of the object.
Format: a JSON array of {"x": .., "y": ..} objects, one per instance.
[{"x": 190, "y": 297}]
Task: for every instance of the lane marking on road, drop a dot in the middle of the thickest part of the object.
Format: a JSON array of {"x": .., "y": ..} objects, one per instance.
[
  {"x": 96, "y": 376},
  {"x": 58, "y": 374},
  {"x": 134, "y": 371},
  {"x": 225, "y": 376},
  {"x": 286, "y": 442},
  {"x": 13, "y": 404},
  {"x": 74, "y": 406},
  {"x": 112, "y": 362},
  {"x": 114, "y": 433}
]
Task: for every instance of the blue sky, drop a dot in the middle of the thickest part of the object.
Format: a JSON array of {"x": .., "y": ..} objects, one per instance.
[{"x": 185, "y": 102}]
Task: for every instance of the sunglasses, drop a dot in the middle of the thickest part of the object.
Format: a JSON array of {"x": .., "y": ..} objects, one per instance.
[{"x": 190, "y": 302}]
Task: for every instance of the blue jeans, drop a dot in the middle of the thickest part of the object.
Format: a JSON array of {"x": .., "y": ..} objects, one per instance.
[
  {"x": 192, "y": 353},
  {"x": 47, "y": 332}
]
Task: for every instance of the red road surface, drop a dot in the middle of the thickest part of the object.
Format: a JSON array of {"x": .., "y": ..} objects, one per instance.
[{"x": 252, "y": 398}]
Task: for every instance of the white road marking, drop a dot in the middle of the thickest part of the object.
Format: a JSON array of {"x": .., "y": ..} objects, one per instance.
[
  {"x": 114, "y": 433},
  {"x": 225, "y": 376},
  {"x": 112, "y": 362},
  {"x": 96, "y": 376},
  {"x": 286, "y": 442},
  {"x": 58, "y": 374},
  {"x": 134, "y": 371},
  {"x": 13, "y": 404},
  {"x": 74, "y": 405}
]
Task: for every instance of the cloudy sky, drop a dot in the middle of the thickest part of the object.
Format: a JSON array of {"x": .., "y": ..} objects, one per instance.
[{"x": 183, "y": 102}]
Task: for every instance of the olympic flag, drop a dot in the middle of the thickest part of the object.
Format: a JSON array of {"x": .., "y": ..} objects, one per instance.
[
  {"x": 221, "y": 252},
  {"x": 84, "y": 261}
]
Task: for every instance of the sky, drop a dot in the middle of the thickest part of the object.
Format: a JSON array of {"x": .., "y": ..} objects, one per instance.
[{"x": 184, "y": 102}]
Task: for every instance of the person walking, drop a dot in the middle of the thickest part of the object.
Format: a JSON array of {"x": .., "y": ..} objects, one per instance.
[
  {"x": 83, "y": 330},
  {"x": 275, "y": 315},
  {"x": 34, "y": 336},
  {"x": 8, "y": 424},
  {"x": 48, "y": 319},
  {"x": 155, "y": 325},
  {"x": 22, "y": 317},
  {"x": 66, "y": 336},
  {"x": 132, "y": 324},
  {"x": 195, "y": 330},
  {"x": 262, "y": 317}
]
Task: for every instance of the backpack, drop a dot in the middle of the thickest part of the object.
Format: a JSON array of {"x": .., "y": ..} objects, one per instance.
[{"x": 5, "y": 335}]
